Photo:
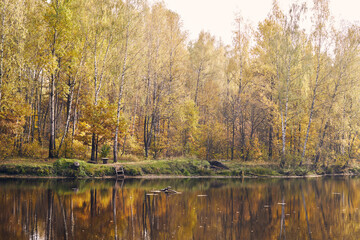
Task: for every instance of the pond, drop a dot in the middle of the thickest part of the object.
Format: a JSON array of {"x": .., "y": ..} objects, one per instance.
[{"x": 317, "y": 208}]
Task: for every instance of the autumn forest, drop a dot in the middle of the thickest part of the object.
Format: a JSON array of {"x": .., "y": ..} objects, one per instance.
[{"x": 80, "y": 76}]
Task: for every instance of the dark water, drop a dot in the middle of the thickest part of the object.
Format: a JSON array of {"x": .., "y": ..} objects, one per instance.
[{"x": 324, "y": 208}]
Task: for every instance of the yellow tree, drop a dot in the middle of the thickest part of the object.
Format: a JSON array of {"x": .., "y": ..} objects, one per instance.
[
  {"x": 321, "y": 73},
  {"x": 289, "y": 70},
  {"x": 99, "y": 22},
  {"x": 341, "y": 85},
  {"x": 207, "y": 59},
  {"x": 13, "y": 105},
  {"x": 127, "y": 52},
  {"x": 241, "y": 59}
]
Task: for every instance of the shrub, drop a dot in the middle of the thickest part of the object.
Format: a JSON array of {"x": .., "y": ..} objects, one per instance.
[
  {"x": 186, "y": 172},
  {"x": 334, "y": 169},
  {"x": 6, "y": 150},
  {"x": 300, "y": 171},
  {"x": 31, "y": 150},
  {"x": 79, "y": 150},
  {"x": 105, "y": 150}
]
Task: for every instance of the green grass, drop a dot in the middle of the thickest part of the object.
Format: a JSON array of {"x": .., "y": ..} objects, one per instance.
[
  {"x": 27, "y": 169},
  {"x": 64, "y": 167},
  {"x": 174, "y": 167},
  {"x": 178, "y": 167}
]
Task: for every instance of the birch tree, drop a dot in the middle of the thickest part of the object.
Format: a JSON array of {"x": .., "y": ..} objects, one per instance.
[
  {"x": 129, "y": 21},
  {"x": 319, "y": 38},
  {"x": 101, "y": 41}
]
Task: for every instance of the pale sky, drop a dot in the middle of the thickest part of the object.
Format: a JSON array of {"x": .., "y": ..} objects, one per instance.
[{"x": 217, "y": 16}]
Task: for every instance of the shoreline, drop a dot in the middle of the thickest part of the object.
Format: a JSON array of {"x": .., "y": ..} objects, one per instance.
[
  {"x": 164, "y": 169},
  {"x": 149, "y": 177}
]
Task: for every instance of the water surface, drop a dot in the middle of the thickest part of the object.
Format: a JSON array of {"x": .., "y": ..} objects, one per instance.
[{"x": 321, "y": 208}]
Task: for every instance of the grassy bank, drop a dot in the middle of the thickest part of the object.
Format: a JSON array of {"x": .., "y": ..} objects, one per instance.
[{"x": 170, "y": 167}]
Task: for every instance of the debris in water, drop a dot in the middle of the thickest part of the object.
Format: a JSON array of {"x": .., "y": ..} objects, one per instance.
[
  {"x": 168, "y": 190},
  {"x": 336, "y": 193},
  {"x": 202, "y": 195},
  {"x": 151, "y": 194},
  {"x": 165, "y": 189},
  {"x": 282, "y": 203},
  {"x": 266, "y": 206}
]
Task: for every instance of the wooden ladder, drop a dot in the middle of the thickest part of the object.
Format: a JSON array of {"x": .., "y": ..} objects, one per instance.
[{"x": 120, "y": 172}]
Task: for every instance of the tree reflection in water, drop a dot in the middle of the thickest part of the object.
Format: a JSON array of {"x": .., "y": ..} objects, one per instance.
[{"x": 325, "y": 208}]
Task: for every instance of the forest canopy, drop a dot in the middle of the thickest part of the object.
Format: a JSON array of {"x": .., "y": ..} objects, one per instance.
[{"x": 78, "y": 76}]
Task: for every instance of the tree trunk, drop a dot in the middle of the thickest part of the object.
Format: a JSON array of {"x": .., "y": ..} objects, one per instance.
[
  {"x": 284, "y": 114},
  {"x": 52, "y": 117},
  {"x": 68, "y": 114},
  {"x": 97, "y": 147},
  {"x": 270, "y": 149},
  {"x": 39, "y": 110},
  {"x": 197, "y": 84},
  {"x": 93, "y": 147},
  {"x": 124, "y": 144},
  {"x": 146, "y": 147},
  {"x": 52, "y": 106},
  {"x": 76, "y": 109},
  {"x": 148, "y": 134},
  {"x": 270, "y": 152},
  {"x": 233, "y": 139},
  {"x": 2, "y": 41}
]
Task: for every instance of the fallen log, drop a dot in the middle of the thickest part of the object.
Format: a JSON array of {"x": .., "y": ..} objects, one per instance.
[
  {"x": 217, "y": 165},
  {"x": 168, "y": 190}
]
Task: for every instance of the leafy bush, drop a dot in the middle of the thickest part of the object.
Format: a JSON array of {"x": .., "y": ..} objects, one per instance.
[
  {"x": 185, "y": 172},
  {"x": 73, "y": 148},
  {"x": 300, "y": 171},
  {"x": 105, "y": 150},
  {"x": 334, "y": 169},
  {"x": 6, "y": 149},
  {"x": 31, "y": 150},
  {"x": 285, "y": 171},
  {"x": 79, "y": 150}
]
